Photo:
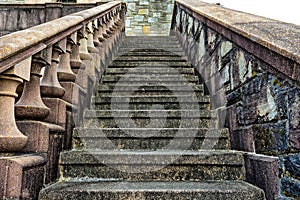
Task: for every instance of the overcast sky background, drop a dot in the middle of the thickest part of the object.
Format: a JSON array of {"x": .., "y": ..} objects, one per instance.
[{"x": 283, "y": 10}]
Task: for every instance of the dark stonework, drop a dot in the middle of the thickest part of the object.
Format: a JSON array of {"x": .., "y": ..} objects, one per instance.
[
  {"x": 262, "y": 171},
  {"x": 31, "y": 15},
  {"x": 21, "y": 176},
  {"x": 262, "y": 95}
]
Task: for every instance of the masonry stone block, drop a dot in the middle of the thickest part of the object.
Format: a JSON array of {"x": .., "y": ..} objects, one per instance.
[
  {"x": 290, "y": 187},
  {"x": 131, "y": 6},
  {"x": 294, "y": 139},
  {"x": 21, "y": 176},
  {"x": 226, "y": 46},
  {"x": 271, "y": 138},
  {"x": 262, "y": 171},
  {"x": 242, "y": 139}
]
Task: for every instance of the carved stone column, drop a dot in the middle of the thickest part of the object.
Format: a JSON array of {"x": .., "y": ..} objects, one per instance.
[
  {"x": 50, "y": 86},
  {"x": 83, "y": 48},
  {"x": 11, "y": 139},
  {"x": 64, "y": 70},
  {"x": 90, "y": 36},
  {"x": 30, "y": 105}
]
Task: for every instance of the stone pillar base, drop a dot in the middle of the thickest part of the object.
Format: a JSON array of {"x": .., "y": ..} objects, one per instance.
[
  {"x": 18, "y": 173},
  {"x": 46, "y": 139}
]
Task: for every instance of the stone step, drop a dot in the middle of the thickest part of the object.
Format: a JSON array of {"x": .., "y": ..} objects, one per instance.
[
  {"x": 146, "y": 138},
  {"x": 161, "y": 165},
  {"x": 152, "y": 45},
  {"x": 150, "y": 88},
  {"x": 146, "y": 39},
  {"x": 146, "y": 103},
  {"x": 171, "y": 49},
  {"x": 154, "y": 64},
  {"x": 150, "y": 71},
  {"x": 147, "y": 93},
  {"x": 113, "y": 190},
  {"x": 157, "y": 79},
  {"x": 158, "y": 99},
  {"x": 150, "y": 119},
  {"x": 110, "y": 190},
  {"x": 151, "y": 53},
  {"x": 149, "y": 58}
]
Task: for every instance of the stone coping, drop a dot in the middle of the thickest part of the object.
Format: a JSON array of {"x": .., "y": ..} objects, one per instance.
[
  {"x": 281, "y": 37},
  {"x": 34, "y": 39}
]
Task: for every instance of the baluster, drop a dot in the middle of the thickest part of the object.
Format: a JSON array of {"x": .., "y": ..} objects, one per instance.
[
  {"x": 50, "y": 86},
  {"x": 83, "y": 48},
  {"x": 11, "y": 139},
  {"x": 64, "y": 71},
  {"x": 30, "y": 105},
  {"x": 75, "y": 61},
  {"x": 96, "y": 35},
  {"x": 113, "y": 27},
  {"x": 101, "y": 31},
  {"x": 90, "y": 36},
  {"x": 119, "y": 20}
]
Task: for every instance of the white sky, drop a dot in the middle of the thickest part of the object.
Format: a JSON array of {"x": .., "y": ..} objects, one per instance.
[{"x": 287, "y": 10}]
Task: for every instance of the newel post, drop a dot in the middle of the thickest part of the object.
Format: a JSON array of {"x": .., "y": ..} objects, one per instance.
[{"x": 11, "y": 139}]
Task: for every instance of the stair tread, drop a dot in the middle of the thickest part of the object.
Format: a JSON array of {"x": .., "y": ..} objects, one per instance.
[
  {"x": 152, "y": 132},
  {"x": 105, "y": 185},
  {"x": 158, "y": 157}
]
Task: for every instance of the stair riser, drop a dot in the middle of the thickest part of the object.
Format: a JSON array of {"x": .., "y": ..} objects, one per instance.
[
  {"x": 145, "y": 144},
  {"x": 146, "y": 71},
  {"x": 168, "y": 173},
  {"x": 147, "y": 93},
  {"x": 174, "y": 50},
  {"x": 174, "y": 99},
  {"x": 141, "y": 123},
  {"x": 149, "y": 58},
  {"x": 147, "y": 106},
  {"x": 149, "y": 78},
  {"x": 153, "y": 195},
  {"x": 153, "y": 65},
  {"x": 151, "y": 53},
  {"x": 167, "y": 88}
]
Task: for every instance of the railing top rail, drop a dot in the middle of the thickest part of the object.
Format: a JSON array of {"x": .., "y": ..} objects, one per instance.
[
  {"x": 280, "y": 37},
  {"x": 20, "y": 45}
]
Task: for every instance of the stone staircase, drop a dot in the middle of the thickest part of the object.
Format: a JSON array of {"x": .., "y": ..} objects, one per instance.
[{"x": 150, "y": 135}]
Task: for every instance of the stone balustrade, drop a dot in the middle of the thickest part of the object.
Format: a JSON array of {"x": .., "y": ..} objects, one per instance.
[
  {"x": 47, "y": 74},
  {"x": 250, "y": 66}
]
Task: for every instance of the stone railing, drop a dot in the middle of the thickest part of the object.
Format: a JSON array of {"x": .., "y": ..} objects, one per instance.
[
  {"x": 251, "y": 68},
  {"x": 47, "y": 75}
]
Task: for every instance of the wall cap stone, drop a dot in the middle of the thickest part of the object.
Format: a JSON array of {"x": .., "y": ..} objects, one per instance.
[{"x": 281, "y": 37}]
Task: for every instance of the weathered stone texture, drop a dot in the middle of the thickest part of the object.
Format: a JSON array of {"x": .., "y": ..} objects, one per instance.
[
  {"x": 262, "y": 99},
  {"x": 30, "y": 15},
  {"x": 149, "y": 17}
]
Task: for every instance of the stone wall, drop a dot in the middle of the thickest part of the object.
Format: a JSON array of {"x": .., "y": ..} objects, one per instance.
[
  {"x": 250, "y": 66},
  {"x": 30, "y": 15},
  {"x": 149, "y": 17}
]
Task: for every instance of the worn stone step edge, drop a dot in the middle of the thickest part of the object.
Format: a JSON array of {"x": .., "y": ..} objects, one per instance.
[
  {"x": 152, "y": 53},
  {"x": 160, "y": 157},
  {"x": 160, "y": 132},
  {"x": 151, "y": 88},
  {"x": 153, "y": 71},
  {"x": 130, "y": 78},
  {"x": 148, "y": 58},
  {"x": 154, "y": 49},
  {"x": 152, "y": 99},
  {"x": 150, "y": 64},
  {"x": 139, "y": 114},
  {"x": 87, "y": 188}
]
